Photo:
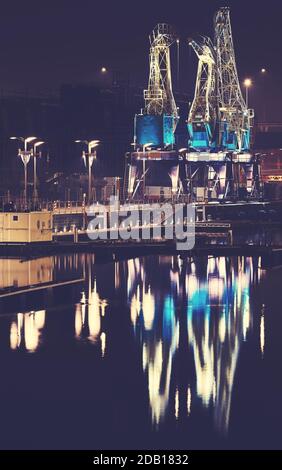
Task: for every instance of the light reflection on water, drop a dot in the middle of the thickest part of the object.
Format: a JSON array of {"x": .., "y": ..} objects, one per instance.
[
  {"x": 207, "y": 302},
  {"x": 89, "y": 312},
  {"x": 26, "y": 330},
  {"x": 189, "y": 319}
]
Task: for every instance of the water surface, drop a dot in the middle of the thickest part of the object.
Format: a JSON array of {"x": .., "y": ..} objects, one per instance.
[{"x": 154, "y": 352}]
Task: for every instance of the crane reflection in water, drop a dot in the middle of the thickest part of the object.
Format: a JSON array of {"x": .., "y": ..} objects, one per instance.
[
  {"x": 189, "y": 317},
  {"x": 198, "y": 309}
]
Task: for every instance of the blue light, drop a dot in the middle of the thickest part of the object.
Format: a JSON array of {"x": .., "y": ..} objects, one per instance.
[
  {"x": 168, "y": 317},
  {"x": 158, "y": 130}
]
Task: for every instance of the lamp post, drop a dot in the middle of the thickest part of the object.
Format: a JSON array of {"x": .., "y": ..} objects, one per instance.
[
  {"x": 25, "y": 155},
  {"x": 144, "y": 165},
  {"x": 117, "y": 187},
  {"x": 264, "y": 75},
  {"x": 247, "y": 83},
  {"x": 35, "y": 156},
  {"x": 88, "y": 157},
  {"x": 183, "y": 151},
  {"x": 178, "y": 43}
]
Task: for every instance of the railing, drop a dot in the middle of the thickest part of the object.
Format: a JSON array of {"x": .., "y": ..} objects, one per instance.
[
  {"x": 73, "y": 207},
  {"x": 19, "y": 205},
  {"x": 57, "y": 206}
]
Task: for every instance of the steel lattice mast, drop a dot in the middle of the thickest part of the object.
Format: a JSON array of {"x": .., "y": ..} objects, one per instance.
[
  {"x": 159, "y": 97},
  {"x": 203, "y": 108},
  {"x": 232, "y": 108}
]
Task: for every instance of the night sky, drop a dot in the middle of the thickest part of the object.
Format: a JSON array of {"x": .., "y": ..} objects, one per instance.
[{"x": 47, "y": 43}]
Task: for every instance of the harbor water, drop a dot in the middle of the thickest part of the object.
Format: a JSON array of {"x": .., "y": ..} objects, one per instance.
[{"x": 156, "y": 352}]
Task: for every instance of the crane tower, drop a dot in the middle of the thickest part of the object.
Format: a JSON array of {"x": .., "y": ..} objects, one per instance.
[
  {"x": 219, "y": 162},
  {"x": 154, "y": 142},
  {"x": 234, "y": 117},
  {"x": 157, "y": 122},
  {"x": 158, "y": 97}
]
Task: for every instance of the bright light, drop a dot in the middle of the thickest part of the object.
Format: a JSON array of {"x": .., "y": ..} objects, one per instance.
[
  {"x": 147, "y": 145},
  {"x": 17, "y": 138},
  {"x": 30, "y": 139},
  {"x": 94, "y": 142},
  {"x": 248, "y": 82},
  {"x": 91, "y": 142},
  {"x": 103, "y": 70},
  {"x": 93, "y": 146},
  {"x": 263, "y": 70},
  {"x": 38, "y": 143}
]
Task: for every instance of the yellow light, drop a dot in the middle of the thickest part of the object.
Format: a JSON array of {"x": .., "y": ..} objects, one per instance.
[
  {"x": 248, "y": 82},
  {"x": 103, "y": 70},
  {"x": 37, "y": 144},
  {"x": 30, "y": 139}
]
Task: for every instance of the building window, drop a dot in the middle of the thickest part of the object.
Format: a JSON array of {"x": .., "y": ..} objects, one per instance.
[
  {"x": 15, "y": 218},
  {"x": 38, "y": 224}
]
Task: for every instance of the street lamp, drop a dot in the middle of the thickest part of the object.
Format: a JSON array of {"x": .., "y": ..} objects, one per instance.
[
  {"x": 117, "y": 186},
  {"x": 264, "y": 77},
  {"x": 88, "y": 158},
  {"x": 25, "y": 155},
  {"x": 247, "y": 83},
  {"x": 35, "y": 156},
  {"x": 133, "y": 144},
  {"x": 147, "y": 145},
  {"x": 177, "y": 42},
  {"x": 183, "y": 151}
]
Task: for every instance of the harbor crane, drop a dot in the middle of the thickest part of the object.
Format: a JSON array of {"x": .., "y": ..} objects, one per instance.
[
  {"x": 220, "y": 165},
  {"x": 154, "y": 126},
  {"x": 235, "y": 119},
  {"x": 202, "y": 114},
  {"x": 159, "y": 97}
]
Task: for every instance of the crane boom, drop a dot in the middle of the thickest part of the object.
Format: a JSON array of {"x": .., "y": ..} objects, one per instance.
[
  {"x": 202, "y": 106},
  {"x": 202, "y": 115}
]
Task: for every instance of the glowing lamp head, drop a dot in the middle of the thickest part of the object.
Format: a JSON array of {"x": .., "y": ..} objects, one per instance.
[
  {"x": 248, "y": 82},
  {"x": 103, "y": 70},
  {"x": 37, "y": 144},
  {"x": 263, "y": 70}
]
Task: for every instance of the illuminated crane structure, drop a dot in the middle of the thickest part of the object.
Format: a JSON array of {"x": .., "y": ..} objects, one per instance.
[
  {"x": 234, "y": 117},
  {"x": 154, "y": 127},
  {"x": 159, "y": 99},
  {"x": 219, "y": 162},
  {"x": 202, "y": 115}
]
